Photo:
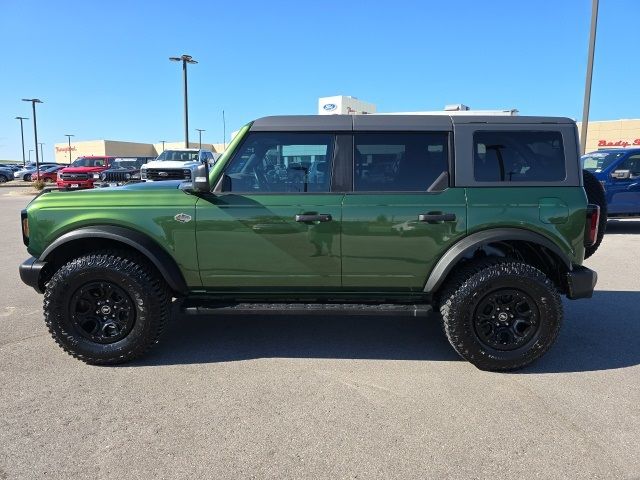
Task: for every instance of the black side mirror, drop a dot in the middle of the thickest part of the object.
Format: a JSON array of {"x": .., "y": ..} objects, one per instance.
[{"x": 201, "y": 179}]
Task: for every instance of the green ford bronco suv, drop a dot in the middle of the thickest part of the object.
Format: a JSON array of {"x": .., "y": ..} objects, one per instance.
[{"x": 484, "y": 219}]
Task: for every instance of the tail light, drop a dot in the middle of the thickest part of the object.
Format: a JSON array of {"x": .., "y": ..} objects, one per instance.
[{"x": 593, "y": 220}]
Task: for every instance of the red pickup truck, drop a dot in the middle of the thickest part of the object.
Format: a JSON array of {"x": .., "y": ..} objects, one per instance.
[{"x": 83, "y": 172}]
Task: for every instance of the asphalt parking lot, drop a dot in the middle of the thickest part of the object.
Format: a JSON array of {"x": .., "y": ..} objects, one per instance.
[{"x": 335, "y": 397}]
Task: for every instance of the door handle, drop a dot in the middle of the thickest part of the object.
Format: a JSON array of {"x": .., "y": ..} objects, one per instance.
[
  {"x": 437, "y": 217},
  {"x": 321, "y": 217}
]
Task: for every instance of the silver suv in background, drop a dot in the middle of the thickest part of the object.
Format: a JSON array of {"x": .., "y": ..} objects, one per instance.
[{"x": 177, "y": 164}]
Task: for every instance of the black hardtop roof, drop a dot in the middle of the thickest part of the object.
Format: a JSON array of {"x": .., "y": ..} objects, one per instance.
[{"x": 306, "y": 123}]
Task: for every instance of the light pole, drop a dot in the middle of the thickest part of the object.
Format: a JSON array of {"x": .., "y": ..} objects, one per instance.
[
  {"x": 587, "y": 87},
  {"x": 163, "y": 144},
  {"x": 22, "y": 137},
  {"x": 30, "y": 155},
  {"x": 185, "y": 59},
  {"x": 41, "y": 154},
  {"x": 200, "y": 130},
  {"x": 69, "y": 137},
  {"x": 35, "y": 128}
]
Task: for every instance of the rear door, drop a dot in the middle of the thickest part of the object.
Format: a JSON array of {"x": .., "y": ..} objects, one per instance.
[{"x": 402, "y": 213}]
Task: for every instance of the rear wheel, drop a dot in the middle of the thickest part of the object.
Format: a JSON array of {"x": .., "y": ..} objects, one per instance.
[
  {"x": 3, "y": 179},
  {"x": 27, "y": 177},
  {"x": 500, "y": 314},
  {"x": 106, "y": 308},
  {"x": 595, "y": 195}
]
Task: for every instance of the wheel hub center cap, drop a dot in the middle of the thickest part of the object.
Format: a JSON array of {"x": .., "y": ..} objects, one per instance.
[
  {"x": 503, "y": 317},
  {"x": 106, "y": 309}
]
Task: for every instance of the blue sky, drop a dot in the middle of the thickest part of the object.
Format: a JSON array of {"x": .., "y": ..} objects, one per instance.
[{"x": 102, "y": 68}]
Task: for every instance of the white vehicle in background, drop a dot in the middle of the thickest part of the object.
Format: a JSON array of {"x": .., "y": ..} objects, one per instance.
[{"x": 177, "y": 164}]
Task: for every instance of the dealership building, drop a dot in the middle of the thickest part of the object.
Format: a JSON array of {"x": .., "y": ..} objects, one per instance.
[
  {"x": 600, "y": 134},
  {"x": 113, "y": 148}
]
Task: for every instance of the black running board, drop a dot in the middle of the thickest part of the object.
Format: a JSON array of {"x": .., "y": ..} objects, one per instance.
[{"x": 210, "y": 308}]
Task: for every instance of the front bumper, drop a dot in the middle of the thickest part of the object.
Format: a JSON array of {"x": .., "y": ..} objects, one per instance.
[
  {"x": 30, "y": 271},
  {"x": 78, "y": 185},
  {"x": 581, "y": 282}
]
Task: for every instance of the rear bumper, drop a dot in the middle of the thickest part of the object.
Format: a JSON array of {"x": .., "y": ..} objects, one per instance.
[
  {"x": 581, "y": 282},
  {"x": 30, "y": 271}
]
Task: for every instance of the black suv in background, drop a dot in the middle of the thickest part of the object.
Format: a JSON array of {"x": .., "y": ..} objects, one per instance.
[{"x": 123, "y": 170}]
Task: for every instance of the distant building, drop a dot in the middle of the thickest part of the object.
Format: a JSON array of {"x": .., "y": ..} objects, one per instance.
[
  {"x": 344, "y": 105},
  {"x": 120, "y": 149},
  {"x": 612, "y": 134}
]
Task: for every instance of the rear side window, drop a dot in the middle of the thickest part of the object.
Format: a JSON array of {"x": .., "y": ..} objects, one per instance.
[
  {"x": 508, "y": 156},
  {"x": 398, "y": 162}
]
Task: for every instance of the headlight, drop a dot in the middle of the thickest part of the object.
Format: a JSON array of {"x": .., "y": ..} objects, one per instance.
[
  {"x": 135, "y": 175},
  {"x": 143, "y": 174},
  {"x": 103, "y": 176},
  {"x": 187, "y": 174},
  {"x": 96, "y": 176},
  {"x": 127, "y": 176}
]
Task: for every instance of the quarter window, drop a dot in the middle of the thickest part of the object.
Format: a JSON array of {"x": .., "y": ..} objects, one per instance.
[
  {"x": 282, "y": 163},
  {"x": 508, "y": 156},
  {"x": 398, "y": 162}
]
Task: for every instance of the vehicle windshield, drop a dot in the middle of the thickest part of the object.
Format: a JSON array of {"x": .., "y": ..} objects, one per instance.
[
  {"x": 179, "y": 156},
  {"x": 130, "y": 163},
  {"x": 598, "y": 161},
  {"x": 89, "y": 162}
]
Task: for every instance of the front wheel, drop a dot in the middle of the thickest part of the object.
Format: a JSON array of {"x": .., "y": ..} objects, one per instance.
[
  {"x": 106, "y": 308},
  {"x": 500, "y": 314},
  {"x": 27, "y": 177},
  {"x": 3, "y": 179}
]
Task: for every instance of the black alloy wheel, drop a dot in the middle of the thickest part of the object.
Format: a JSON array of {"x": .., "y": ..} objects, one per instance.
[
  {"x": 506, "y": 319},
  {"x": 102, "y": 312}
]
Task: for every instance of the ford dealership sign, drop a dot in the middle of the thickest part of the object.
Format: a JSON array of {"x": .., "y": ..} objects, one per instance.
[{"x": 329, "y": 107}]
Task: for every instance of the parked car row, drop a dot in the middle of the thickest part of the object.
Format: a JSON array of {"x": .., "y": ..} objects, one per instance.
[{"x": 108, "y": 171}]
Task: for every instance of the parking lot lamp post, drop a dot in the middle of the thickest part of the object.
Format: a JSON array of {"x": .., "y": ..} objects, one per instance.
[
  {"x": 35, "y": 127},
  {"x": 587, "y": 87},
  {"x": 69, "y": 137},
  {"x": 41, "y": 152},
  {"x": 200, "y": 130},
  {"x": 22, "y": 137},
  {"x": 185, "y": 59},
  {"x": 30, "y": 155},
  {"x": 163, "y": 144}
]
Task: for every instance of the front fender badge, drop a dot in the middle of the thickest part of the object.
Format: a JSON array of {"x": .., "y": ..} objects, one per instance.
[{"x": 182, "y": 218}]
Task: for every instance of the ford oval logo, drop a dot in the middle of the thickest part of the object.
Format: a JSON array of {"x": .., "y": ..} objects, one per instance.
[
  {"x": 163, "y": 174},
  {"x": 329, "y": 107}
]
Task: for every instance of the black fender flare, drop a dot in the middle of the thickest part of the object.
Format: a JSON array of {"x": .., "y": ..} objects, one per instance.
[
  {"x": 477, "y": 240},
  {"x": 149, "y": 248}
]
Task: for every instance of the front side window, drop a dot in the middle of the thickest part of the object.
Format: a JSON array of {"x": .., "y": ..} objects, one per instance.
[
  {"x": 282, "y": 163},
  {"x": 518, "y": 156},
  {"x": 398, "y": 162},
  {"x": 633, "y": 165}
]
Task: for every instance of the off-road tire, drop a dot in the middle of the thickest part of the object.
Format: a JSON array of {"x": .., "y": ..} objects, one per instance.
[
  {"x": 148, "y": 292},
  {"x": 596, "y": 195},
  {"x": 475, "y": 281}
]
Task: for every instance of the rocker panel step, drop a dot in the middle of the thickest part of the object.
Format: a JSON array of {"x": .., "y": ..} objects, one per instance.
[{"x": 414, "y": 310}]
